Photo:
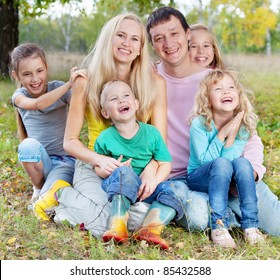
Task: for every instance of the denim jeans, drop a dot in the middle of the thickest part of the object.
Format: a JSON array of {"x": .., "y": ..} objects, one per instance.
[
  {"x": 268, "y": 209},
  {"x": 215, "y": 178},
  {"x": 55, "y": 167},
  {"x": 125, "y": 181}
]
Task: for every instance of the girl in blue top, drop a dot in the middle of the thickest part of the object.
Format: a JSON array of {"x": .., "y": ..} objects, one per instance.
[
  {"x": 42, "y": 109},
  {"x": 223, "y": 121}
]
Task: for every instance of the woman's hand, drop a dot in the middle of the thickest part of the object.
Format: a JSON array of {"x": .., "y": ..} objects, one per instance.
[{"x": 106, "y": 165}]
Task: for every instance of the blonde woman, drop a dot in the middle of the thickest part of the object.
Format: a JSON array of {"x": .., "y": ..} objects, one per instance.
[
  {"x": 222, "y": 124},
  {"x": 121, "y": 52}
]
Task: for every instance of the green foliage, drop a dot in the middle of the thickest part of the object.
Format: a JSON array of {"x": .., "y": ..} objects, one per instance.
[
  {"x": 239, "y": 26},
  {"x": 31, "y": 10}
]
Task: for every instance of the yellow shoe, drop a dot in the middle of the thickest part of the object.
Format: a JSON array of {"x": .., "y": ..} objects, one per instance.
[{"x": 48, "y": 201}]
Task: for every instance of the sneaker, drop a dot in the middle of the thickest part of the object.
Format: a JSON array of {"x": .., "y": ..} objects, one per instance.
[
  {"x": 35, "y": 196},
  {"x": 48, "y": 201},
  {"x": 253, "y": 236},
  {"x": 222, "y": 238},
  {"x": 36, "y": 193}
]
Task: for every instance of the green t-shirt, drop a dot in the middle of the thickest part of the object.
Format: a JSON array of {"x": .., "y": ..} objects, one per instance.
[{"x": 147, "y": 144}]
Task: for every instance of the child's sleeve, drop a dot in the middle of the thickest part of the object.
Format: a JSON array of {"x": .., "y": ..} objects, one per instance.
[
  {"x": 15, "y": 95},
  {"x": 203, "y": 150},
  {"x": 234, "y": 151},
  {"x": 66, "y": 97}
]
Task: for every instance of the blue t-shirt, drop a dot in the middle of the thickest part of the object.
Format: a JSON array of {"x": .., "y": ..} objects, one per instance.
[
  {"x": 46, "y": 126},
  {"x": 205, "y": 146}
]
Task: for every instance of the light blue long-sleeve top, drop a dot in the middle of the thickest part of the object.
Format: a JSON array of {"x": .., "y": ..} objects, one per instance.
[{"x": 205, "y": 146}]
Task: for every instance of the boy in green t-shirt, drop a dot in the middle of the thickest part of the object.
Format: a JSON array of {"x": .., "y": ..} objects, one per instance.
[{"x": 135, "y": 144}]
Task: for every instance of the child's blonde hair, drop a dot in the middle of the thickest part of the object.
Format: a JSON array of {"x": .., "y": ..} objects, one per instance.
[
  {"x": 105, "y": 86},
  {"x": 217, "y": 60},
  {"x": 102, "y": 68},
  {"x": 202, "y": 106}
]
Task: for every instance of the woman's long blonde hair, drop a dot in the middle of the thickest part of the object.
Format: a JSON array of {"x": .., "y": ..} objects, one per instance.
[
  {"x": 202, "y": 106},
  {"x": 102, "y": 68}
]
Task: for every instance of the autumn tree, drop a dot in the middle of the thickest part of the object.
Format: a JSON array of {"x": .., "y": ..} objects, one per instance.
[
  {"x": 9, "y": 20},
  {"x": 8, "y": 31},
  {"x": 10, "y": 10}
]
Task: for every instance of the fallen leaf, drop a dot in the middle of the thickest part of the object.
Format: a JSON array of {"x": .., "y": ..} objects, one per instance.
[
  {"x": 180, "y": 245},
  {"x": 11, "y": 240},
  {"x": 144, "y": 244}
]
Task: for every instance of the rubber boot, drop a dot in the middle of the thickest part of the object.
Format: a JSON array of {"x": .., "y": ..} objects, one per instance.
[
  {"x": 48, "y": 200},
  {"x": 157, "y": 218},
  {"x": 118, "y": 231}
]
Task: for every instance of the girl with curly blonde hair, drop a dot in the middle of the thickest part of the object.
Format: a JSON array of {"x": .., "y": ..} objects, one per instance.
[{"x": 222, "y": 123}]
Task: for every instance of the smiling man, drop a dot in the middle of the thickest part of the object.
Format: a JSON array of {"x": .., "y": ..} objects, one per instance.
[{"x": 169, "y": 35}]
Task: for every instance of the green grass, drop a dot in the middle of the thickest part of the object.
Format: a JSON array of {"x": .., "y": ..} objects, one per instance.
[{"x": 22, "y": 236}]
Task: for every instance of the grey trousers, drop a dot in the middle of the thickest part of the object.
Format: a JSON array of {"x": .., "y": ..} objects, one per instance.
[{"x": 86, "y": 203}]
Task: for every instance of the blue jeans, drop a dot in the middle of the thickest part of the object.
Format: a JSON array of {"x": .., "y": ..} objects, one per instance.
[
  {"x": 55, "y": 167},
  {"x": 125, "y": 181},
  {"x": 215, "y": 178}
]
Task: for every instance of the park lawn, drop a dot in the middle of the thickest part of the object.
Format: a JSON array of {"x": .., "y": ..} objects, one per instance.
[{"x": 22, "y": 236}]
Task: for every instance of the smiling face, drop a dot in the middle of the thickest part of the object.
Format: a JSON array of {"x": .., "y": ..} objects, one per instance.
[
  {"x": 127, "y": 41},
  {"x": 118, "y": 102},
  {"x": 224, "y": 96},
  {"x": 170, "y": 41},
  {"x": 32, "y": 74},
  {"x": 201, "y": 48}
]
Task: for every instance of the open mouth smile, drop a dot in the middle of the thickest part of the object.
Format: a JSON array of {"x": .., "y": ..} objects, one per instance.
[
  {"x": 124, "y": 110},
  {"x": 227, "y": 100}
]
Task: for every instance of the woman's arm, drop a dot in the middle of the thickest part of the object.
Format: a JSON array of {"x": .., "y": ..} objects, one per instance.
[
  {"x": 72, "y": 143},
  {"x": 159, "y": 115}
]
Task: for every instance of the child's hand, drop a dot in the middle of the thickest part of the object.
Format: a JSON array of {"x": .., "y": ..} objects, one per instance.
[
  {"x": 225, "y": 130},
  {"x": 234, "y": 129},
  {"x": 75, "y": 72},
  {"x": 231, "y": 128},
  {"x": 147, "y": 188},
  {"x": 236, "y": 124},
  {"x": 154, "y": 65},
  {"x": 127, "y": 163}
]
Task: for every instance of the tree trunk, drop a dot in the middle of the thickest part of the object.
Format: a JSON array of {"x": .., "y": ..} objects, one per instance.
[
  {"x": 9, "y": 20},
  {"x": 268, "y": 43}
]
